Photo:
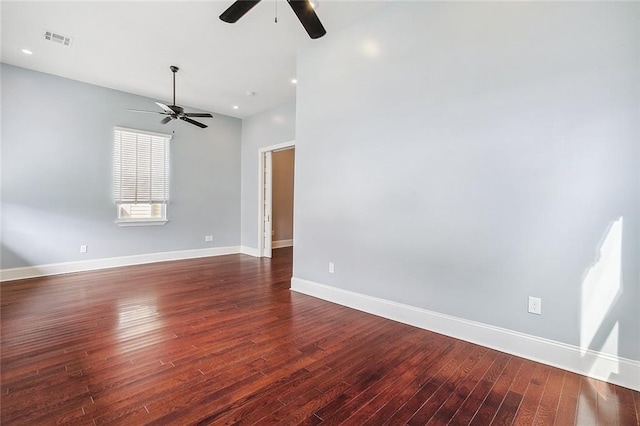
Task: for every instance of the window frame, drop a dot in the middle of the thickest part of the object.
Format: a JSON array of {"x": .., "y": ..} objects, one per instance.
[{"x": 118, "y": 180}]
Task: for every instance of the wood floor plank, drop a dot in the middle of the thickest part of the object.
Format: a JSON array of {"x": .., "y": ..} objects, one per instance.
[
  {"x": 354, "y": 397},
  {"x": 515, "y": 394},
  {"x": 314, "y": 381},
  {"x": 626, "y": 407},
  {"x": 446, "y": 387},
  {"x": 531, "y": 400},
  {"x": 302, "y": 409},
  {"x": 568, "y": 403},
  {"x": 587, "y": 410},
  {"x": 448, "y": 409},
  {"x": 468, "y": 409},
  {"x": 428, "y": 389},
  {"x": 548, "y": 407},
  {"x": 499, "y": 389},
  {"x": 404, "y": 374},
  {"x": 223, "y": 340},
  {"x": 607, "y": 405}
]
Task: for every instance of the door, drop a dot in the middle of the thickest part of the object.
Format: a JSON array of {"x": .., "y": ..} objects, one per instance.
[{"x": 265, "y": 197}]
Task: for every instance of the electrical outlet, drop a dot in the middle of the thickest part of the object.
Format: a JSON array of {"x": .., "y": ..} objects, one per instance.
[
  {"x": 535, "y": 305},
  {"x": 331, "y": 268},
  {"x": 83, "y": 248},
  {"x": 208, "y": 237}
]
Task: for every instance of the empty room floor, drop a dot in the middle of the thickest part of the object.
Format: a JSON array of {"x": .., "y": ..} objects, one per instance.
[{"x": 223, "y": 340}]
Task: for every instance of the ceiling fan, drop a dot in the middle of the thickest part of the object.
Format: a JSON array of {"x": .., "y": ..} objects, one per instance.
[
  {"x": 302, "y": 8},
  {"x": 175, "y": 112}
]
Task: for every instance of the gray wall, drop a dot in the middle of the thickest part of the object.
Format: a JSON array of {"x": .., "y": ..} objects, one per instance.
[
  {"x": 268, "y": 128},
  {"x": 460, "y": 157},
  {"x": 57, "y": 152}
]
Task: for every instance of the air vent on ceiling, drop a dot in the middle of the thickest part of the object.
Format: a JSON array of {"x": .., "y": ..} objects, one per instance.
[{"x": 57, "y": 38}]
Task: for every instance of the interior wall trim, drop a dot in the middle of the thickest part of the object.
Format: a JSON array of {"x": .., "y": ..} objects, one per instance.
[
  {"x": 282, "y": 243},
  {"x": 613, "y": 369},
  {"x": 112, "y": 262},
  {"x": 251, "y": 251},
  {"x": 262, "y": 154}
]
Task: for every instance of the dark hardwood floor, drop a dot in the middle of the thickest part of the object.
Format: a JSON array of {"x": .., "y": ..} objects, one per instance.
[{"x": 223, "y": 340}]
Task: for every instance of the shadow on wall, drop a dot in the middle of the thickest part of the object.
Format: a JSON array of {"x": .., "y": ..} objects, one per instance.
[
  {"x": 10, "y": 257},
  {"x": 35, "y": 236}
]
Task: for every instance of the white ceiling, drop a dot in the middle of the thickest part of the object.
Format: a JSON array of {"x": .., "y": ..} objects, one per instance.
[{"x": 129, "y": 46}]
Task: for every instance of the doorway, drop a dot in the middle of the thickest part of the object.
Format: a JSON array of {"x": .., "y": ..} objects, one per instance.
[{"x": 275, "y": 221}]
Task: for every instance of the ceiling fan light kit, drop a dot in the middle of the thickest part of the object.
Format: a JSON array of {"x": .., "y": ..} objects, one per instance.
[
  {"x": 303, "y": 9},
  {"x": 175, "y": 112}
]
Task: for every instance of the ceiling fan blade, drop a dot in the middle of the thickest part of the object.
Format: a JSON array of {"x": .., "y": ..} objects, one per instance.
[
  {"x": 165, "y": 120},
  {"x": 188, "y": 120},
  {"x": 146, "y": 112},
  {"x": 308, "y": 17},
  {"x": 165, "y": 107},
  {"x": 198, "y": 114},
  {"x": 237, "y": 10}
]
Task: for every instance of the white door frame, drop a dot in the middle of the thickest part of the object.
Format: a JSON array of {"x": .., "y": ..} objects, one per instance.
[{"x": 264, "y": 251}]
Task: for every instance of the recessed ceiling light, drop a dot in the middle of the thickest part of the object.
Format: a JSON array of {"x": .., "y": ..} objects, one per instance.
[
  {"x": 26, "y": 51},
  {"x": 294, "y": 81},
  {"x": 236, "y": 107}
]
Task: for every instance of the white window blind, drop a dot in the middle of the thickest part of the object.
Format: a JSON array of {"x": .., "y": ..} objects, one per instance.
[{"x": 140, "y": 173}]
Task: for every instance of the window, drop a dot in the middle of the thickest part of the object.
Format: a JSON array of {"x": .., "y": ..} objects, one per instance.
[{"x": 140, "y": 176}]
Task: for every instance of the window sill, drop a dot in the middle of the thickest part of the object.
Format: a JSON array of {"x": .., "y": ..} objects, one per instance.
[{"x": 140, "y": 222}]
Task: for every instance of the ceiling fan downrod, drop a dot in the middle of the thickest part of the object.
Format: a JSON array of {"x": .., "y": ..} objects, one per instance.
[{"x": 174, "y": 70}]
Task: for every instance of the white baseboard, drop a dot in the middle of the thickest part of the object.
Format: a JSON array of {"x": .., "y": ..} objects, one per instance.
[
  {"x": 601, "y": 366},
  {"x": 251, "y": 251},
  {"x": 282, "y": 243},
  {"x": 112, "y": 262}
]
